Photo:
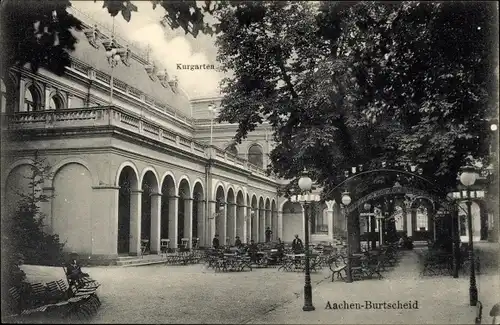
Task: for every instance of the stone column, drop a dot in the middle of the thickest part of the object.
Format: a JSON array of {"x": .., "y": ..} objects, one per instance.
[
  {"x": 201, "y": 223},
  {"x": 47, "y": 97},
  {"x": 154, "y": 245},
  {"x": 188, "y": 220},
  {"x": 329, "y": 216},
  {"x": 212, "y": 219},
  {"x": 257, "y": 225},
  {"x": 240, "y": 222},
  {"x": 231, "y": 222},
  {"x": 413, "y": 213},
  {"x": 223, "y": 225},
  {"x": 245, "y": 232},
  {"x": 173, "y": 220},
  {"x": 280, "y": 224},
  {"x": 135, "y": 222}
]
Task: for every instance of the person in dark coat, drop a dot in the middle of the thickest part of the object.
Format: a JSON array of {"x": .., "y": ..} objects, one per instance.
[
  {"x": 269, "y": 232},
  {"x": 74, "y": 271},
  {"x": 237, "y": 242},
  {"x": 252, "y": 251},
  {"x": 215, "y": 242},
  {"x": 297, "y": 245}
]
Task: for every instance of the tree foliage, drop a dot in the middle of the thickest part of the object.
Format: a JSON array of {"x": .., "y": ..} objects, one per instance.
[
  {"x": 39, "y": 32},
  {"x": 348, "y": 83}
]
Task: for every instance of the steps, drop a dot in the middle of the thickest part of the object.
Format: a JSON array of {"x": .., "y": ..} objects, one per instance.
[{"x": 140, "y": 260}]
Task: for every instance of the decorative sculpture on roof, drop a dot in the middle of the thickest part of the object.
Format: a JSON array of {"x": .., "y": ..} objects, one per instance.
[
  {"x": 92, "y": 34},
  {"x": 163, "y": 77},
  {"x": 127, "y": 55},
  {"x": 151, "y": 70},
  {"x": 174, "y": 83}
]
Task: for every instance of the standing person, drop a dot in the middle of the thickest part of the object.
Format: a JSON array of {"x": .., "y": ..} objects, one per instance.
[
  {"x": 215, "y": 242},
  {"x": 269, "y": 232},
  {"x": 297, "y": 245}
]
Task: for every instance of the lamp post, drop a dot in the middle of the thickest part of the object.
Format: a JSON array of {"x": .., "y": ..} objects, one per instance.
[
  {"x": 212, "y": 110},
  {"x": 114, "y": 59},
  {"x": 346, "y": 200},
  {"x": 468, "y": 178},
  {"x": 305, "y": 185}
]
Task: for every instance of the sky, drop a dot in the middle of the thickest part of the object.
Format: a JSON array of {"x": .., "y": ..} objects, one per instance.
[{"x": 167, "y": 47}]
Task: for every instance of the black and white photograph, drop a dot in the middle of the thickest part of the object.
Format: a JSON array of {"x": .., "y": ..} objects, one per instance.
[{"x": 249, "y": 162}]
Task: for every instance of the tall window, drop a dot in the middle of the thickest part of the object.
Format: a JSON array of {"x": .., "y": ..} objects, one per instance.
[
  {"x": 255, "y": 155},
  {"x": 31, "y": 99},
  {"x": 422, "y": 220},
  {"x": 55, "y": 103}
]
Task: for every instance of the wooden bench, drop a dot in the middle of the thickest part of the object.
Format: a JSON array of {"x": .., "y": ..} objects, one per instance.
[{"x": 338, "y": 271}]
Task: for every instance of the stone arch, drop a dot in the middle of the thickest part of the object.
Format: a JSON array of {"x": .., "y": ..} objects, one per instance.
[
  {"x": 14, "y": 165},
  {"x": 231, "y": 216},
  {"x": 184, "y": 218},
  {"x": 274, "y": 219},
  {"x": 135, "y": 181},
  {"x": 255, "y": 154},
  {"x": 57, "y": 98},
  {"x": 198, "y": 186},
  {"x": 267, "y": 218},
  {"x": 155, "y": 179},
  {"x": 319, "y": 218},
  {"x": 72, "y": 207},
  {"x": 220, "y": 211},
  {"x": 168, "y": 204},
  {"x": 36, "y": 94},
  {"x": 198, "y": 195},
  {"x": 150, "y": 188},
  {"x": 219, "y": 184},
  {"x": 168, "y": 179},
  {"x": 128, "y": 236},
  {"x": 16, "y": 181},
  {"x": 74, "y": 160},
  {"x": 483, "y": 218}
]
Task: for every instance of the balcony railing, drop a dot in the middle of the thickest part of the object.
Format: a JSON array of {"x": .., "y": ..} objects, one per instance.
[{"x": 105, "y": 116}]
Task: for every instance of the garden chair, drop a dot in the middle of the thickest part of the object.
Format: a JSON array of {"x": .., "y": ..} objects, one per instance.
[{"x": 164, "y": 243}]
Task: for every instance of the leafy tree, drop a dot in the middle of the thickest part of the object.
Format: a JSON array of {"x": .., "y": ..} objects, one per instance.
[
  {"x": 350, "y": 83},
  {"x": 24, "y": 239},
  {"x": 39, "y": 32}
]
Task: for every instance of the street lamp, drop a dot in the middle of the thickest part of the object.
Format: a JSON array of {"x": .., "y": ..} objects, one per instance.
[
  {"x": 305, "y": 185},
  {"x": 346, "y": 200},
  {"x": 468, "y": 178}
]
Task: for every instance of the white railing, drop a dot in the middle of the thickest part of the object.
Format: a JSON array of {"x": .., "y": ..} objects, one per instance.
[{"x": 114, "y": 116}]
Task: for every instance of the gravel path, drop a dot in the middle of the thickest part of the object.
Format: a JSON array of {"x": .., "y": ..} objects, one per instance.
[{"x": 192, "y": 294}]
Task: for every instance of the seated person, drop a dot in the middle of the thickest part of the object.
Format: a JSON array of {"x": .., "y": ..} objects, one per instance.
[
  {"x": 74, "y": 272},
  {"x": 252, "y": 250},
  {"x": 237, "y": 242}
]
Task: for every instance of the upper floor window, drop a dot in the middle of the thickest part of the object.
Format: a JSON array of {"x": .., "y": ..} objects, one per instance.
[
  {"x": 255, "y": 155},
  {"x": 32, "y": 100},
  {"x": 56, "y": 103}
]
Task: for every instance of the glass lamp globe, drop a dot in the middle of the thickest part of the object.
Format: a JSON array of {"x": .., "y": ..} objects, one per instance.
[
  {"x": 346, "y": 199},
  {"x": 305, "y": 183},
  {"x": 109, "y": 54},
  {"x": 468, "y": 176},
  {"x": 493, "y": 127}
]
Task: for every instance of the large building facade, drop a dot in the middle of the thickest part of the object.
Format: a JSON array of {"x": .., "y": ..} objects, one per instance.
[{"x": 142, "y": 162}]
